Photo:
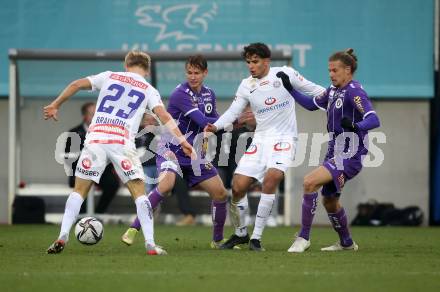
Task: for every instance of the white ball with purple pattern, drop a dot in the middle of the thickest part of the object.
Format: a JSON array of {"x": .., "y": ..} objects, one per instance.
[{"x": 89, "y": 230}]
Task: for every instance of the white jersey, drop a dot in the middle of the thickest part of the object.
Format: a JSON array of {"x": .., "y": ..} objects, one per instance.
[
  {"x": 121, "y": 105},
  {"x": 272, "y": 105}
]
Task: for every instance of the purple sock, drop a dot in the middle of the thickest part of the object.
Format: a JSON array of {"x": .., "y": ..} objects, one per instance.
[
  {"x": 340, "y": 224},
  {"x": 309, "y": 204},
  {"x": 155, "y": 197},
  {"x": 136, "y": 224},
  {"x": 218, "y": 211}
]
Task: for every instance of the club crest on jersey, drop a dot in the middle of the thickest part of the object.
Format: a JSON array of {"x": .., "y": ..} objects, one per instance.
[
  {"x": 338, "y": 103},
  {"x": 208, "y": 108},
  {"x": 252, "y": 149},
  {"x": 276, "y": 83},
  {"x": 270, "y": 101},
  {"x": 125, "y": 164},
  {"x": 86, "y": 163},
  {"x": 282, "y": 146}
]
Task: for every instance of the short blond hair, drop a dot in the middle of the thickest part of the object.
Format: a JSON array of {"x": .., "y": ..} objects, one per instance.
[{"x": 138, "y": 58}]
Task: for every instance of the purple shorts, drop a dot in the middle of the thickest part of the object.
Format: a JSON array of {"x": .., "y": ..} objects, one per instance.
[
  {"x": 351, "y": 167},
  {"x": 190, "y": 175}
]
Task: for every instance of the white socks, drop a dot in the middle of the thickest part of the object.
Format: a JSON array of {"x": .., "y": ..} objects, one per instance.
[
  {"x": 71, "y": 211},
  {"x": 145, "y": 215},
  {"x": 238, "y": 213},
  {"x": 264, "y": 209}
]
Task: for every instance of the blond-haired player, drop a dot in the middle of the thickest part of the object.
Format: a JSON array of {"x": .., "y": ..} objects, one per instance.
[{"x": 123, "y": 98}]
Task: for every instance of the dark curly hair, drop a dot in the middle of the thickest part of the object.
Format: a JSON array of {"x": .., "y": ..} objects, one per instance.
[{"x": 259, "y": 49}]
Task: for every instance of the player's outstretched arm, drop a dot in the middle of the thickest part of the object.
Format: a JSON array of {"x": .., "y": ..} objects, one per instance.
[
  {"x": 229, "y": 116},
  {"x": 51, "y": 111},
  {"x": 169, "y": 122},
  {"x": 304, "y": 100}
]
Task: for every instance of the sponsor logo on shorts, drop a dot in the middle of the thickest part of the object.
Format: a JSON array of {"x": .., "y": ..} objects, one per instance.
[
  {"x": 130, "y": 172},
  {"x": 270, "y": 101},
  {"x": 86, "y": 163},
  {"x": 126, "y": 164},
  {"x": 251, "y": 150},
  {"x": 87, "y": 172},
  {"x": 282, "y": 146}
]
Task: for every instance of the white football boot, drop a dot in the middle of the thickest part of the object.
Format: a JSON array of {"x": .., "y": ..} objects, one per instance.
[
  {"x": 299, "y": 245},
  {"x": 338, "y": 247},
  {"x": 155, "y": 250}
]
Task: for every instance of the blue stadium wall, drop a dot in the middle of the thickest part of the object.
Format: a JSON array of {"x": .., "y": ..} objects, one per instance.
[{"x": 393, "y": 40}]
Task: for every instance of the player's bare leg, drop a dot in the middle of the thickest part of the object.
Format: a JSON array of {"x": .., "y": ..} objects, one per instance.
[
  {"x": 338, "y": 218},
  {"x": 167, "y": 180},
  {"x": 145, "y": 214},
  {"x": 311, "y": 184},
  {"x": 237, "y": 211},
  {"x": 271, "y": 181},
  {"x": 216, "y": 190},
  {"x": 71, "y": 211}
]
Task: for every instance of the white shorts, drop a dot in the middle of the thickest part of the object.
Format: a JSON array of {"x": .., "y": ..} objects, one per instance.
[
  {"x": 265, "y": 153},
  {"x": 95, "y": 157}
]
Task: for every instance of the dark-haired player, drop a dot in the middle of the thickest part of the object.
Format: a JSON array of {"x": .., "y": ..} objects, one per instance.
[{"x": 273, "y": 147}]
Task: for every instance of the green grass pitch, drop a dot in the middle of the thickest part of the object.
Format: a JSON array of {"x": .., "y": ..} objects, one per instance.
[{"x": 389, "y": 259}]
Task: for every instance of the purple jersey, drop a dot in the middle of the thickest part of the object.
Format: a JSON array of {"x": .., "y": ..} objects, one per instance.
[
  {"x": 350, "y": 101},
  {"x": 183, "y": 101}
]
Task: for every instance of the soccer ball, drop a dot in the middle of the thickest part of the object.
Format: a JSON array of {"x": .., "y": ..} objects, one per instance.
[{"x": 89, "y": 230}]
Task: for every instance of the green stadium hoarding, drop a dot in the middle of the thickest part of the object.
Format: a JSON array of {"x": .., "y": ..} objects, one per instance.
[{"x": 394, "y": 39}]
